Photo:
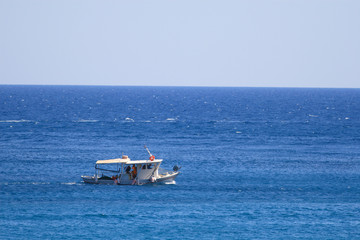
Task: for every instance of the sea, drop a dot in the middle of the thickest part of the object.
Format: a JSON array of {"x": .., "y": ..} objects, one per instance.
[{"x": 256, "y": 163}]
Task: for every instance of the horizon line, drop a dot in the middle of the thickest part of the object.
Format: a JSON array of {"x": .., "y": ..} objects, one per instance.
[{"x": 176, "y": 86}]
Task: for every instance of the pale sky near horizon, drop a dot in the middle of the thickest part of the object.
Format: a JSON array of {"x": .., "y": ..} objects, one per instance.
[{"x": 255, "y": 43}]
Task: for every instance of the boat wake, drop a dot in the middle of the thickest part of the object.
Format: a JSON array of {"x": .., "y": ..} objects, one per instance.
[
  {"x": 25, "y": 183},
  {"x": 15, "y": 121},
  {"x": 69, "y": 183},
  {"x": 173, "y": 182},
  {"x": 39, "y": 183}
]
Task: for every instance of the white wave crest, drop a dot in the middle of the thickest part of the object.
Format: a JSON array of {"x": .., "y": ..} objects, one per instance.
[
  {"x": 14, "y": 121},
  {"x": 86, "y": 121}
]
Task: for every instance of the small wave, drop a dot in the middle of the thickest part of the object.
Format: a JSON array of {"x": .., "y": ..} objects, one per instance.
[
  {"x": 129, "y": 120},
  {"x": 14, "y": 121},
  {"x": 170, "y": 119},
  {"x": 226, "y": 121},
  {"x": 101, "y": 215},
  {"x": 86, "y": 121},
  {"x": 310, "y": 115},
  {"x": 237, "y": 132}
]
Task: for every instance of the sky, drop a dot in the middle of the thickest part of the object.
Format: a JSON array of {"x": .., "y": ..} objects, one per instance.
[{"x": 242, "y": 43}]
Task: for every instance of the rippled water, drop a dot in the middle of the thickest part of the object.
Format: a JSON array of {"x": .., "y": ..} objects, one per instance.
[{"x": 257, "y": 163}]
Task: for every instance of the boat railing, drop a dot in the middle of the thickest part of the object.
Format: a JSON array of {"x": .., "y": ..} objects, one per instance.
[{"x": 107, "y": 170}]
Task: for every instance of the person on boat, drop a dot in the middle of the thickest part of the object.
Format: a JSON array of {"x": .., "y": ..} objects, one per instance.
[
  {"x": 128, "y": 169},
  {"x": 134, "y": 172}
]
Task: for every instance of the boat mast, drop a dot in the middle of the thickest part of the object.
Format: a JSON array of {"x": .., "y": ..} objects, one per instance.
[
  {"x": 96, "y": 173},
  {"x": 147, "y": 150}
]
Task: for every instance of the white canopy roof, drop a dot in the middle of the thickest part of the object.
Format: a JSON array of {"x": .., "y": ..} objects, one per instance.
[
  {"x": 143, "y": 161},
  {"x": 115, "y": 160},
  {"x": 126, "y": 161}
]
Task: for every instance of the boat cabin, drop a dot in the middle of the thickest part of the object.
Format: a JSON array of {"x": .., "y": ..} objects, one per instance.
[{"x": 125, "y": 171}]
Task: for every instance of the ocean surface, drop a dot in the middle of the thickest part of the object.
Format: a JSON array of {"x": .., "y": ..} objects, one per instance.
[{"x": 257, "y": 163}]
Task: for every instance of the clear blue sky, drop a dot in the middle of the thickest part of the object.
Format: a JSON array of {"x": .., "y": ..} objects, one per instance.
[{"x": 259, "y": 43}]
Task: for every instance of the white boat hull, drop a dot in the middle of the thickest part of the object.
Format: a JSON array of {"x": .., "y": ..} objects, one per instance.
[{"x": 125, "y": 180}]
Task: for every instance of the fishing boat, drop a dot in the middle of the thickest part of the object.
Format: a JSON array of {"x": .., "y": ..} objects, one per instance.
[{"x": 124, "y": 171}]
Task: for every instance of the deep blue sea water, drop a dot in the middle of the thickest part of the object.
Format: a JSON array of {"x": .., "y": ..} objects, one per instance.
[{"x": 257, "y": 163}]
